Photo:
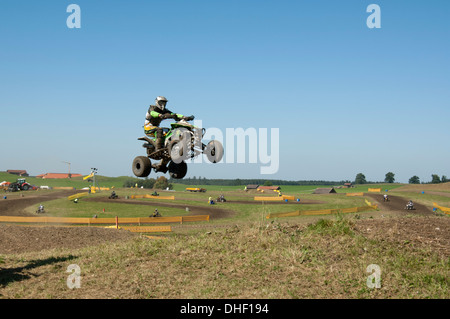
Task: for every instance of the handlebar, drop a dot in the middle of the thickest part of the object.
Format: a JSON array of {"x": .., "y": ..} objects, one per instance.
[
  {"x": 188, "y": 118},
  {"x": 175, "y": 117}
]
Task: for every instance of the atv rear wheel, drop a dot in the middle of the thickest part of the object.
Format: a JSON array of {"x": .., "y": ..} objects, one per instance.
[
  {"x": 177, "y": 171},
  {"x": 142, "y": 166}
]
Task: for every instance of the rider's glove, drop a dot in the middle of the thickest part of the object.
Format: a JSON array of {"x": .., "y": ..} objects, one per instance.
[{"x": 189, "y": 118}]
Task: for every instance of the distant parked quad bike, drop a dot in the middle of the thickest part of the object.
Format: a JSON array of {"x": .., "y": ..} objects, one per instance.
[
  {"x": 181, "y": 142},
  {"x": 13, "y": 187}
]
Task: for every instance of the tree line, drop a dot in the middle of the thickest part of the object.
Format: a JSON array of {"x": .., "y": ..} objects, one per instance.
[
  {"x": 390, "y": 178},
  {"x": 159, "y": 183},
  {"x": 242, "y": 182},
  {"x": 164, "y": 183}
]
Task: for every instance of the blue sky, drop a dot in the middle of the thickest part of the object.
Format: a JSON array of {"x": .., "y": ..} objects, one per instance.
[{"x": 345, "y": 98}]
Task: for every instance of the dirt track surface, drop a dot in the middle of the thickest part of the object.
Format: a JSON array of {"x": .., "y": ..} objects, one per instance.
[
  {"x": 427, "y": 231},
  {"x": 20, "y": 239},
  {"x": 16, "y": 206},
  {"x": 424, "y": 229},
  {"x": 214, "y": 211},
  {"x": 397, "y": 204}
]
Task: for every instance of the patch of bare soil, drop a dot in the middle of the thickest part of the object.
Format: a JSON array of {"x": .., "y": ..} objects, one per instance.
[
  {"x": 429, "y": 231},
  {"x": 19, "y": 239}
]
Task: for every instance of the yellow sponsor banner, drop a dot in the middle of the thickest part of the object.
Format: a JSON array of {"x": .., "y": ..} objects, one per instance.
[
  {"x": 88, "y": 176},
  {"x": 108, "y": 220},
  {"x": 79, "y": 195},
  {"x": 195, "y": 218},
  {"x": 93, "y": 189},
  {"x": 442, "y": 208},
  {"x": 354, "y": 194},
  {"x": 272, "y": 198},
  {"x": 147, "y": 229},
  {"x": 266, "y": 198},
  {"x": 374, "y": 190}
]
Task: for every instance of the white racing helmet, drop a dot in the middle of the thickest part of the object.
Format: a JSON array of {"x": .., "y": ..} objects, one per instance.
[{"x": 160, "y": 102}]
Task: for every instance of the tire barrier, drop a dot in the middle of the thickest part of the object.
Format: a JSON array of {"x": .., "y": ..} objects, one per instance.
[{"x": 354, "y": 194}]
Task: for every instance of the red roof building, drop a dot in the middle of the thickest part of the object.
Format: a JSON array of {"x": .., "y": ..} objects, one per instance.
[{"x": 20, "y": 172}]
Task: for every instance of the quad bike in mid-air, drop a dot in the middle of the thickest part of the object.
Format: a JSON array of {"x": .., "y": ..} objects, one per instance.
[{"x": 182, "y": 141}]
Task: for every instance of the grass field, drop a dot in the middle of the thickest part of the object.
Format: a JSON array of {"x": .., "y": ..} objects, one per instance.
[
  {"x": 244, "y": 211},
  {"x": 76, "y": 182},
  {"x": 243, "y": 255},
  {"x": 117, "y": 182},
  {"x": 327, "y": 259}
]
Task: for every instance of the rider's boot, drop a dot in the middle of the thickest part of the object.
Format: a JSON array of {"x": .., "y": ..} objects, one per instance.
[{"x": 161, "y": 166}]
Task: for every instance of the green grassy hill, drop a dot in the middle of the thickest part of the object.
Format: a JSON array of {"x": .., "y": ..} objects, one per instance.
[
  {"x": 77, "y": 182},
  {"x": 118, "y": 182}
]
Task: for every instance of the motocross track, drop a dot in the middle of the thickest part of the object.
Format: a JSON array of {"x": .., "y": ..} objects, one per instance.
[
  {"x": 396, "y": 205},
  {"x": 18, "y": 239},
  {"x": 214, "y": 211},
  {"x": 16, "y": 206}
]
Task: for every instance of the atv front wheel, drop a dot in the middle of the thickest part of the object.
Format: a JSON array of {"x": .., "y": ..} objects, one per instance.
[
  {"x": 142, "y": 166},
  {"x": 214, "y": 151},
  {"x": 176, "y": 150},
  {"x": 177, "y": 171}
]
